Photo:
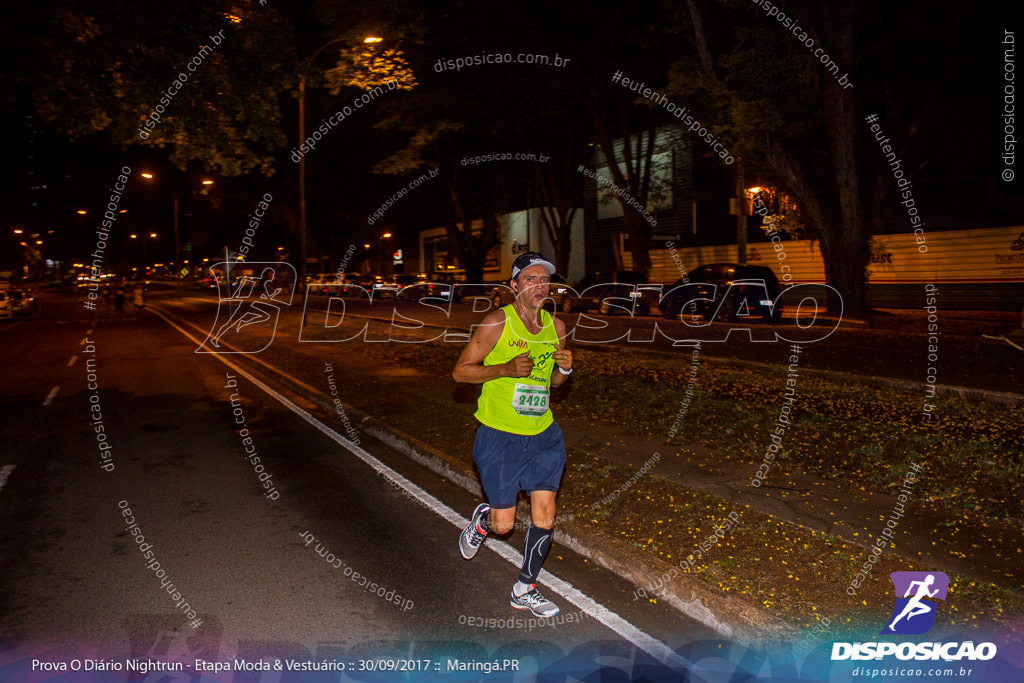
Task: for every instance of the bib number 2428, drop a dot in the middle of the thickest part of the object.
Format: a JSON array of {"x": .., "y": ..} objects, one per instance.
[{"x": 530, "y": 399}]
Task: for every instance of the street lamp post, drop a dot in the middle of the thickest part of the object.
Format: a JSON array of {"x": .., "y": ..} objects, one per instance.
[
  {"x": 177, "y": 227},
  {"x": 303, "y": 72},
  {"x": 152, "y": 235},
  {"x": 302, "y": 157},
  {"x": 177, "y": 241}
]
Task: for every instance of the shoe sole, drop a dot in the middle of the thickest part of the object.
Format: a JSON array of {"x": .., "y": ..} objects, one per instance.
[{"x": 530, "y": 610}]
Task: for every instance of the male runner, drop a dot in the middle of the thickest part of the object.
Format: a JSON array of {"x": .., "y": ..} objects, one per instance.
[{"x": 514, "y": 353}]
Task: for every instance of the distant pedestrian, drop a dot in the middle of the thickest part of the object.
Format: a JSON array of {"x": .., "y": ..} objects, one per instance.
[
  {"x": 119, "y": 301},
  {"x": 139, "y": 297}
]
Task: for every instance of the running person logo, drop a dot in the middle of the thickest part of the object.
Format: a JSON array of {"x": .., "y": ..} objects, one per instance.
[
  {"x": 249, "y": 307},
  {"x": 914, "y": 612}
]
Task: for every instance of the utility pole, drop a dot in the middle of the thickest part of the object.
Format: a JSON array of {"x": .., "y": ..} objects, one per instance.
[{"x": 741, "y": 218}]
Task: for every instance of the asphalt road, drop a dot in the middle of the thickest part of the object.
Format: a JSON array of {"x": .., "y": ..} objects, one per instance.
[{"x": 266, "y": 571}]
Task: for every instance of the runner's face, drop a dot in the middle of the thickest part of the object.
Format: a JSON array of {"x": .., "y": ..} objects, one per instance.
[{"x": 533, "y": 285}]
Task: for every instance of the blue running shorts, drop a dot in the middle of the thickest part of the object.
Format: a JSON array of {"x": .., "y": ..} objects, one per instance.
[{"x": 510, "y": 463}]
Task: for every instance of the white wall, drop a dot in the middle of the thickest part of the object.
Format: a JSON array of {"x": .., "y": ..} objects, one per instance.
[
  {"x": 522, "y": 228},
  {"x": 981, "y": 255}
]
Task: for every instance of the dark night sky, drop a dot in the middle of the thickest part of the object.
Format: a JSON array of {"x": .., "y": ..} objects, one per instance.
[{"x": 958, "y": 175}]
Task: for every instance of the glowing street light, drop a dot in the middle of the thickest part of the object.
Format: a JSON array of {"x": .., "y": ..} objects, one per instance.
[
  {"x": 153, "y": 236},
  {"x": 177, "y": 232}
]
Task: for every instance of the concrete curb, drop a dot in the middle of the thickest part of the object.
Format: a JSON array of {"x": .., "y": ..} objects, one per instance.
[{"x": 728, "y": 615}]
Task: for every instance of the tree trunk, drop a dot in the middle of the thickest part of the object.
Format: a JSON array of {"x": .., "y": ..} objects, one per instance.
[
  {"x": 634, "y": 183},
  {"x": 830, "y": 193},
  {"x": 847, "y": 246}
]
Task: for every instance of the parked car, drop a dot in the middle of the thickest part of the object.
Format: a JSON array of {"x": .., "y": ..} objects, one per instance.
[
  {"x": 323, "y": 284},
  {"x": 22, "y": 302},
  {"x": 348, "y": 285},
  {"x": 434, "y": 286},
  {"x": 723, "y": 292},
  {"x": 560, "y": 295},
  {"x": 317, "y": 284},
  {"x": 611, "y": 291},
  {"x": 6, "y": 310},
  {"x": 385, "y": 289}
]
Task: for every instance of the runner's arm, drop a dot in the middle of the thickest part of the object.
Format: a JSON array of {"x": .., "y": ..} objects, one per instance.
[
  {"x": 562, "y": 356},
  {"x": 470, "y": 368}
]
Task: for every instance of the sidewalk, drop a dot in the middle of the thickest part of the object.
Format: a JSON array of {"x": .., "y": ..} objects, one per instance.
[{"x": 929, "y": 539}]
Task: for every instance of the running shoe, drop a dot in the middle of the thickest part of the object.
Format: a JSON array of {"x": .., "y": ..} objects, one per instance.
[
  {"x": 473, "y": 536},
  {"x": 535, "y": 602}
]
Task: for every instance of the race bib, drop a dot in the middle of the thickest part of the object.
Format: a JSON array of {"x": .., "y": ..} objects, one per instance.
[{"x": 530, "y": 399}]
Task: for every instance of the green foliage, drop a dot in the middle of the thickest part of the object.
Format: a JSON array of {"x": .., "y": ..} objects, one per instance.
[
  {"x": 366, "y": 67},
  {"x": 789, "y": 222},
  {"x": 105, "y": 69}
]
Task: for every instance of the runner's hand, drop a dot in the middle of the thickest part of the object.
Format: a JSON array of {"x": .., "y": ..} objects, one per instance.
[
  {"x": 562, "y": 357},
  {"x": 520, "y": 366}
]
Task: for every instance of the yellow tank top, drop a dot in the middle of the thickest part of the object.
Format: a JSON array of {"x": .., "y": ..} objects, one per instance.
[{"x": 520, "y": 404}]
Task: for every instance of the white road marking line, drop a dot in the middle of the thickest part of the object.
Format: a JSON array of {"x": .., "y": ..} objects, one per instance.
[
  {"x": 599, "y": 612},
  {"x": 72, "y": 361},
  {"x": 5, "y": 472},
  {"x": 7, "y": 327},
  {"x": 52, "y": 395}
]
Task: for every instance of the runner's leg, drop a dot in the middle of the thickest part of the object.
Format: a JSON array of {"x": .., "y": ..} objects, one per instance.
[{"x": 501, "y": 521}]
